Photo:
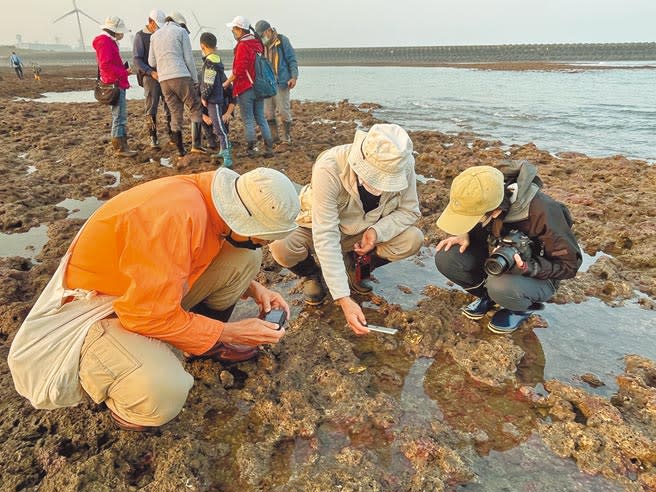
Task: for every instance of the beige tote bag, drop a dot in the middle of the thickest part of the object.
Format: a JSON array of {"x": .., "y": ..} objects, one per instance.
[{"x": 44, "y": 357}]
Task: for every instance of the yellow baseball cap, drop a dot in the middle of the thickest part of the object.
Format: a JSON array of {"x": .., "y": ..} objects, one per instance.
[{"x": 474, "y": 192}]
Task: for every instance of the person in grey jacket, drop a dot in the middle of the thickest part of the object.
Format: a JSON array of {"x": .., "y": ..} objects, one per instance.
[
  {"x": 152, "y": 89},
  {"x": 362, "y": 200},
  {"x": 280, "y": 52},
  {"x": 170, "y": 54}
]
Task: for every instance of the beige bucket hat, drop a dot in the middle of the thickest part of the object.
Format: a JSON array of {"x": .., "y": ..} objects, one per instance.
[
  {"x": 381, "y": 157},
  {"x": 261, "y": 203},
  {"x": 114, "y": 24},
  {"x": 474, "y": 192}
]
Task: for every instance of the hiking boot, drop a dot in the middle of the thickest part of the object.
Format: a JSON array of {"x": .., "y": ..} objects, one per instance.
[
  {"x": 196, "y": 139},
  {"x": 120, "y": 144},
  {"x": 310, "y": 273},
  {"x": 365, "y": 285},
  {"x": 123, "y": 424},
  {"x": 273, "y": 126},
  {"x": 479, "y": 308},
  {"x": 507, "y": 321}
]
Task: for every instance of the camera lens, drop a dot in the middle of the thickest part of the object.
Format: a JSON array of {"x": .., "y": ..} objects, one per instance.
[{"x": 500, "y": 261}]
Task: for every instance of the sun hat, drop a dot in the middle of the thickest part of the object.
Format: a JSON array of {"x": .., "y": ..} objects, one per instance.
[
  {"x": 261, "y": 203},
  {"x": 241, "y": 22},
  {"x": 179, "y": 19},
  {"x": 158, "y": 16},
  {"x": 474, "y": 192},
  {"x": 114, "y": 24},
  {"x": 262, "y": 26},
  {"x": 382, "y": 156}
]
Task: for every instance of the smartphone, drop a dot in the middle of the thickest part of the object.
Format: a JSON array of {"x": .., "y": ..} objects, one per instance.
[{"x": 277, "y": 316}]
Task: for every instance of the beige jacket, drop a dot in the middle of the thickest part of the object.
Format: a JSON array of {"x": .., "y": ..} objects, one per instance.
[{"x": 331, "y": 206}]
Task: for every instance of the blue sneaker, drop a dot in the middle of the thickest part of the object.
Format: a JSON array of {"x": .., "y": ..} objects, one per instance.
[
  {"x": 507, "y": 321},
  {"x": 479, "y": 308}
]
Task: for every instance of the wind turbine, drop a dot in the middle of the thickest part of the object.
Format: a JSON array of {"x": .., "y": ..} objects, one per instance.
[
  {"x": 77, "y": 13},
  {"x": 200, "y": 27}
]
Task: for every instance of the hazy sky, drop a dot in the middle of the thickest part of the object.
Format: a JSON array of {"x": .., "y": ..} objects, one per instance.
[{"x": 327, "y": 23}]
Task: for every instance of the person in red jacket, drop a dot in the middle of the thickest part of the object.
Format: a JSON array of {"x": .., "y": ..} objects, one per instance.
[
  {"x": 112, "y": 70},
  {"x": 251, "y": 107}
]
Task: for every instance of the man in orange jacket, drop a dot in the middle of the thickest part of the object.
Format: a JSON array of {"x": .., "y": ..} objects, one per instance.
[{"x": 177, "y": 252}]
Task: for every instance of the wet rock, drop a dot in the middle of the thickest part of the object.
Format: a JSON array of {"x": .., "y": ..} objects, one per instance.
[
  {"x": 492, "y": 362},
  {"x": 592, "y": 380}
]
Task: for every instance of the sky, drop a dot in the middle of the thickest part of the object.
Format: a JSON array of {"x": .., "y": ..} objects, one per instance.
[{"x": 338, "y": 23}]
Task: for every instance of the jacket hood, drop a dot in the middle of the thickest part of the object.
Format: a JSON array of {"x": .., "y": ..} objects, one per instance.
[{"x": 525, "y": 175}]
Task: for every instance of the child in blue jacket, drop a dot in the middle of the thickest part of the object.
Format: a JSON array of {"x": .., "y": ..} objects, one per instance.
[{"x": 219, "y": 101}]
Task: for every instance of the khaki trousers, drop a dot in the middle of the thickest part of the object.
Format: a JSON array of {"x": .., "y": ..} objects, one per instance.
[
  {"x": 140, "y": 378},
  {"x": 179, "y": 93},
  {"x": 296, "y": 246}
]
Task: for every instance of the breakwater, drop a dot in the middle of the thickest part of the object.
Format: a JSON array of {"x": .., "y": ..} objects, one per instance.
[{"x": 418, "y": 55}]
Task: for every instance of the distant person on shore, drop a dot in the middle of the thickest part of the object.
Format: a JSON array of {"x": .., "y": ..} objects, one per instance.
[
  {"x": 280, "y": 52},
  {"x": 214, "y": 97},
  {"x": 360, "y": 208},
  {"x": 171, "y": 56},
  {"x": 17, "y": 64},
  {"x": 147, "y": 76},
  {"x": 36, "y": 71},
  {"x": 112, "y": 70},
  {"x": 511, "y": 244},
  {"x": 162, "y": 264},
  {"x": 251, "y": 107}
]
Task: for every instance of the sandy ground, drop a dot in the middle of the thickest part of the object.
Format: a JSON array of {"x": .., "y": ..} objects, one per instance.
[{"x": 314, "y": 412}]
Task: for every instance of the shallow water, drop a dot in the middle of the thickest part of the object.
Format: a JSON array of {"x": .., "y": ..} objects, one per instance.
[
  {"x": 596, "y": 112},
  {"x": 26, "y": 244},
  {"x": 81, "y": 209}
]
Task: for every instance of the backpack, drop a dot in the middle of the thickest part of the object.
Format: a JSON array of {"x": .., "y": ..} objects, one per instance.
[{"x": 264, "y": 84}]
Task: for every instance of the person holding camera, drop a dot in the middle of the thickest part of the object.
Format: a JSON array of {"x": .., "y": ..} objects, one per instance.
[
  {"x": 357, "y": 214},
  {"x": 511, "y": 244},
  {"x": 158, "y": 266}
]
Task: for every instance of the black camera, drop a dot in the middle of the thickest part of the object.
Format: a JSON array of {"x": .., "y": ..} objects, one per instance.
[
  {"x": 502, "y": 259},
  {"x": 277, "y": 316}
]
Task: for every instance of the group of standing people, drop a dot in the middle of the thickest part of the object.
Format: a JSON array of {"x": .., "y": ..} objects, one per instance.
[{"x": 165, "y": 68}]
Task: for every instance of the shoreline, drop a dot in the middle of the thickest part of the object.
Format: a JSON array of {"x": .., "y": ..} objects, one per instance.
[{"x": 324, "y": 407}]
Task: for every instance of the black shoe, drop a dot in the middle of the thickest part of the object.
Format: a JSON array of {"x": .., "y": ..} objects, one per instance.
[
  {"x": 507, "y": 321},
  {"x": 177, "y": 138},
  {"x": 479, "y": 308}
]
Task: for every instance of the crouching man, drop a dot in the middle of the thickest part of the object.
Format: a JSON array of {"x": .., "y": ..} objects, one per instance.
[
  {"x": 362, "y": 202},
  {"x": 158, "y": 266},
  {"x": 511, "y": 243}
]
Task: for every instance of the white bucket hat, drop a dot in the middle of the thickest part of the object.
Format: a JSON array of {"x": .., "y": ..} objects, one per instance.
[
  {"x": 261, "y": 203},
  {"x": 381, "y": 157},
  {"x": 179, "y": 19},
  {"x": 241, "y": 22},
  {"x": 114, "y": 24},
  {"x": 158, "y": 16}
]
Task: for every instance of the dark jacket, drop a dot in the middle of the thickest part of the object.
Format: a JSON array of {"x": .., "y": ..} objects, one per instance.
[
  {"x": 212, "y": 76},
  {"x": 546, "y": 221},
  {"x": 140, "y": 50}
]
